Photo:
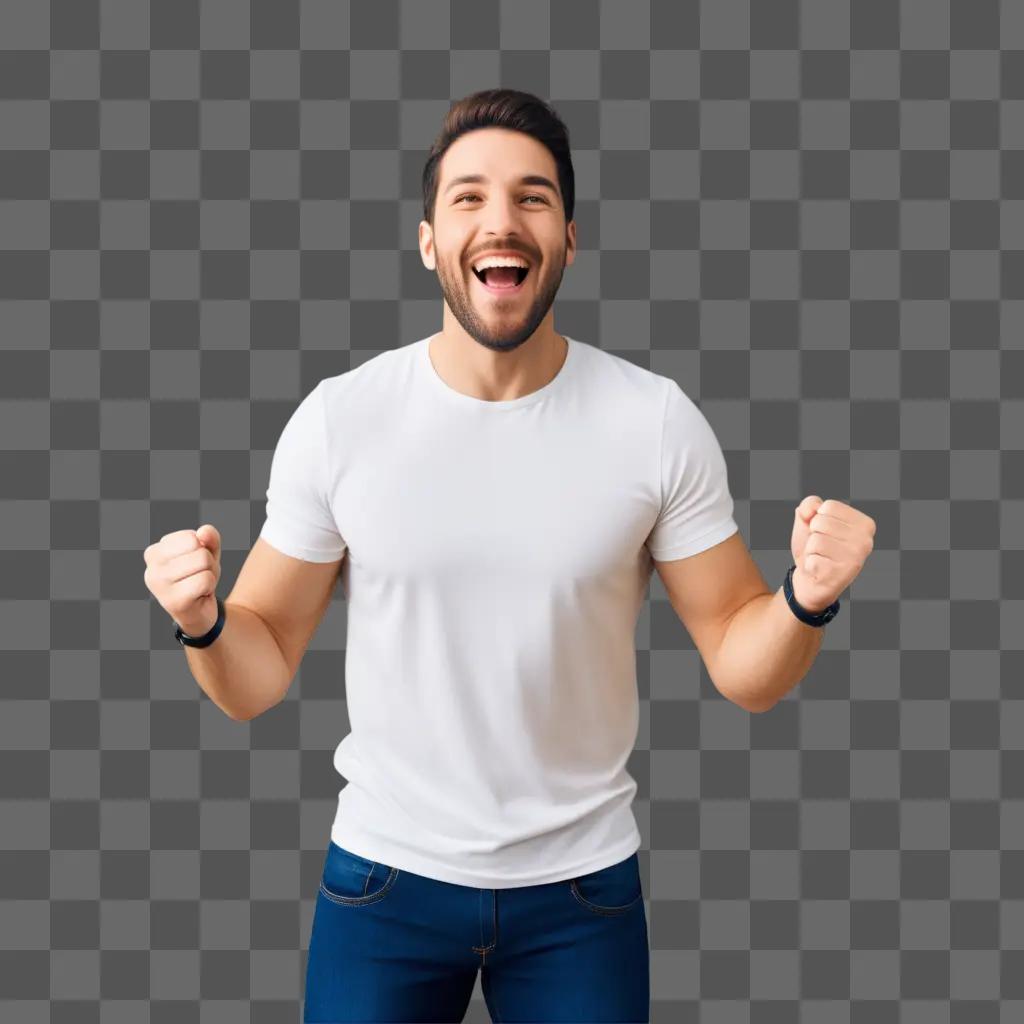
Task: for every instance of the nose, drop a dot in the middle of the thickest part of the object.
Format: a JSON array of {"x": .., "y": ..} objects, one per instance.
[{"x": 501, "y": 216}]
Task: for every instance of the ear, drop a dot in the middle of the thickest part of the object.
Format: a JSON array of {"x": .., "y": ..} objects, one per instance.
[
  {"x": 570, "y": 242},
  {"x": 426, "y": 240}
]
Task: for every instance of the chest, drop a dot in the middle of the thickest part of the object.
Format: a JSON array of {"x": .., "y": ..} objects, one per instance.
[{"x": 497, "y": 502}]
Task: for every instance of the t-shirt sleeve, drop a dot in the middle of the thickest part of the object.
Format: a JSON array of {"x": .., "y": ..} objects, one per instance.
[
  {"x": 299, "y": 520},
  {"x": 696, "y": 506}
]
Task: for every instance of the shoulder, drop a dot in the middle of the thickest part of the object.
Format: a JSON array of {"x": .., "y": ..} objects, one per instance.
[
  {"x": 623, "y": 377},
  {"x": 374, "y": 378}
]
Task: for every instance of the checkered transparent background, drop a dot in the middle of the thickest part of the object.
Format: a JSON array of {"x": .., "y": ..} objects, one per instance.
[{"x": 810, "y": 214}]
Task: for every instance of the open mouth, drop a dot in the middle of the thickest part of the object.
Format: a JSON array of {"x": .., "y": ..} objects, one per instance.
[{"x": 508, "y": 289}]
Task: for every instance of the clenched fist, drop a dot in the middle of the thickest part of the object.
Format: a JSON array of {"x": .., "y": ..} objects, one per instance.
[
  {"x": 182, "y": 572},
  {"x": 830, "y": 543}
]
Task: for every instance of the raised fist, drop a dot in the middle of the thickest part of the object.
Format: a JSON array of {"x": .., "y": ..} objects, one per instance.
[{"x": 182, "y": 572}]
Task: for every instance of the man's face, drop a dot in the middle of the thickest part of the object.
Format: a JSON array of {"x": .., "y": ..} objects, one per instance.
[{"x": 503, "y": 213}]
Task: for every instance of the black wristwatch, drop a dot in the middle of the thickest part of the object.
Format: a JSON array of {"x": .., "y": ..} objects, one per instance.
[
  {"x": 821, "y": 618},
  {"x": 207, "y": 638}
]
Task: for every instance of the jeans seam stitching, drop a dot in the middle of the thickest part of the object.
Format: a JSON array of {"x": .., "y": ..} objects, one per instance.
[
  {"x": 362, "y": 900},
  {"x": 481, "y": 949},
  {"x": 596, "y": 907}
]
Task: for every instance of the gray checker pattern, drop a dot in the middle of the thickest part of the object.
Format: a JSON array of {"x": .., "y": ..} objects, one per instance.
[{"x": 811, "y": 214}]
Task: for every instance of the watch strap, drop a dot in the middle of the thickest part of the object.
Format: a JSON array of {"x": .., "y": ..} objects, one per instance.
[
  {"x": 821, "y": 618},
  {"x": 207, "y": 638}
]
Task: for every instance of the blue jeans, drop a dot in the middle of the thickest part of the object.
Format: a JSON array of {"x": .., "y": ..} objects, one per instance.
[{"x": 390, "y": 945}]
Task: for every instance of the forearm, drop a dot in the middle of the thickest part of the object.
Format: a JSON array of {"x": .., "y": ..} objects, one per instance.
[
  {"x": 243, "y": 671},
  {"x": 766, "y": 651}
]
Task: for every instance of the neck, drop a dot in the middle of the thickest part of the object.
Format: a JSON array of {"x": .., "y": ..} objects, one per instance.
[{"x": 495, "y": 376}]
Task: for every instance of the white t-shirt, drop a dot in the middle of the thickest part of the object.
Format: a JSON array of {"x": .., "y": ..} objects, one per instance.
[{"x": 499, "y": 555}]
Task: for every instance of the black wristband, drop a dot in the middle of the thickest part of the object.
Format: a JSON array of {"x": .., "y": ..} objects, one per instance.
[
  {"x": 821, "y": 618},
  {"x": 207, "y": 638}
]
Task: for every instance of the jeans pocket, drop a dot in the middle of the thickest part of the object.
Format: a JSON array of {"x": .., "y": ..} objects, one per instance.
[
  {"x": 353, "y": 880},
  {"x": 611, "y": 890}
]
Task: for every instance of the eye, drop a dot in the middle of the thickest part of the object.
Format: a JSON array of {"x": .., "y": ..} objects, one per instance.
[{"x": 473, "y": 195}]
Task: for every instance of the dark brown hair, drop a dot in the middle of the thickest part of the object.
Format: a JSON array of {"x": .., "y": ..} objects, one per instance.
[{"x": 502, "y": 108}]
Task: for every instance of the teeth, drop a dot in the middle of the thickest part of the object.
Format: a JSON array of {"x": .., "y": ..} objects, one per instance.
[{"x": 500, "y": 261}]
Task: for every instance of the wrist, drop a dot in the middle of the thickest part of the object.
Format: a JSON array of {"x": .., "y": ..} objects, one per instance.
[
  {"x": 204, "y": 636},
  {"x": 804, "y": 592},
  {"x": 199, "y": 627}
]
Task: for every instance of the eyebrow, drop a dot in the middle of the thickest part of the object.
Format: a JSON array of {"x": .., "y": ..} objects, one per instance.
[{"x": 526, "y": 179}]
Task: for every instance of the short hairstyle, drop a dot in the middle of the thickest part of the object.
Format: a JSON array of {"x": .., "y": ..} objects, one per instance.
[{"x": 502, "y": 108}]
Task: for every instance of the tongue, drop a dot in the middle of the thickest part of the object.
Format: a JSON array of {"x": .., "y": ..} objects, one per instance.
[{"x": 501, "y": 277}]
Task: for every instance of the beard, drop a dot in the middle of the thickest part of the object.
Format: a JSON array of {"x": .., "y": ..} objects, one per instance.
[{"x": 502, "y": 330}]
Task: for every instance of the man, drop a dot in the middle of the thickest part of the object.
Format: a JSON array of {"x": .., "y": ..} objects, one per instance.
[{"x": 494, "y": 499}]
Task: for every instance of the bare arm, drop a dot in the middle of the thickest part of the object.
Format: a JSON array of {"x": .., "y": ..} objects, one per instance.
[
  {"x": 243, "y": 671},
  {"x": 273, "y": 611},
  {"x": 754, "y": 647},
  {"x": 766, "y": 650}
]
